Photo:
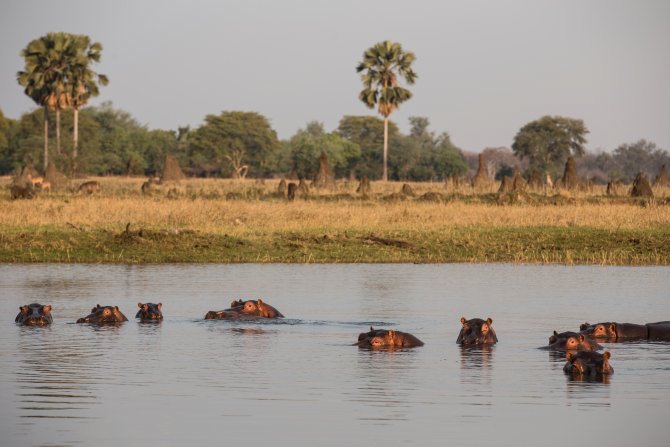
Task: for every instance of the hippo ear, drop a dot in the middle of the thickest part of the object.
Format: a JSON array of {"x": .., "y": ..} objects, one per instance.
[
  {"x": 613, "y": 328},
  {"x": 260, "y": 303},
  {"x": 581, "y": 337},
  {"x": 46, "y": 308},
  {"x": 140, "y": 305},
  {"x": 583, "y": 327},
  {"x": 390, "y": 333},
  {"x": 607, "y": 355},
  {"x": 463, "y": 320},
  {"x": 116, "y": 307},
  {"x": 555, "y": 333},
  {"x": 97, "y": 305},
  {"x": 23, "y": 309},
  {"x": 489, "y": 321},
  {"x": 371, "y": 329},
  {"x": 159, "y": 305}
]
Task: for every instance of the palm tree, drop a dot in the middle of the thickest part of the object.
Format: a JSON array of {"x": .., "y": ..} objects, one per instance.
[
  {"x": 44, "y": 78},
  {"x": 83, "y": 83},
  {"x": 381, "y": 65}
]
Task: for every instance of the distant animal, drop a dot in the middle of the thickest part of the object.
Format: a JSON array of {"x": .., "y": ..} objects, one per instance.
[
  {"x": 292, "y": 188},
  {"x": 44, "y": 186},
  {"x": 35, "y": 180},
  {"x": 550, "y": 184},
  {"x": 146, "y": 186},
  {"x": 89, "y": 187}
]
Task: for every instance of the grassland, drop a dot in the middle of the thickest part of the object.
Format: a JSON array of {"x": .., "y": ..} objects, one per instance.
[{"x": 224, "y": 221}]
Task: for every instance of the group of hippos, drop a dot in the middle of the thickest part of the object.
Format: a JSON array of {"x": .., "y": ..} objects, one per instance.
[{"x": 582, "y": 358}]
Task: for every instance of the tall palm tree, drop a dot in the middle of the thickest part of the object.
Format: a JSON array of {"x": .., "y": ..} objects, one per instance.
[
  {"x": 382, "y": 64},
  {"x": 83, "y": 84},
  {"x": 44, "y": 78}
]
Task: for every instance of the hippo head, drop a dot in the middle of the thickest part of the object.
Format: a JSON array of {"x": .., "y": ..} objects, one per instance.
[
  {"x": 34, "y": 314},
  {"x": 600, "y": 331},
  {"x": 259, "y": 309},
  {"x": 383, "y": 339},
  {"x": 588, "y": 363},
  {"x": 104, "y": 315},
  {"x": 149, "y": 312},
  {"x": 387, "y": 339},
  {"x": 476, "y": 332},
  {"x": 571, "y": 341}
]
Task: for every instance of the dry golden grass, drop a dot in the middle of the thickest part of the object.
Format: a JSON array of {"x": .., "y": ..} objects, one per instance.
[{"x": 201, "y": 205}]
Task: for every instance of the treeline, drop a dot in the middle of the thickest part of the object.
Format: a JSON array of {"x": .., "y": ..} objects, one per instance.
[
  {"x": 237, "y": 144},
  {"x": 231, "y": 144}
]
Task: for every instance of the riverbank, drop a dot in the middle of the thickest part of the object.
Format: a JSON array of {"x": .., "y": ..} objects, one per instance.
[
  {"x": 216, "y": 221},
  {"x": 457, "y": 244}
]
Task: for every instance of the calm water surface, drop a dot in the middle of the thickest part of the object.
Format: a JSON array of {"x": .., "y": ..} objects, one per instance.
[{"x": 299, "y": 382}]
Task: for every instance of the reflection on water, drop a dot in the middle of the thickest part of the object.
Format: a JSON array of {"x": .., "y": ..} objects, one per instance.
[
  {"x": 53, "y": 380},
  {"x": 387, "y": 385},
  {"x": 300, "y": 380}
]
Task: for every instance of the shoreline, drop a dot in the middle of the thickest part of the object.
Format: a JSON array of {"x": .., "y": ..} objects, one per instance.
[{"x": 534, "y": 245}]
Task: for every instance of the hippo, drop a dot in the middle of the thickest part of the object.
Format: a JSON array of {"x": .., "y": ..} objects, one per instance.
[
  {"x": 245, "y": 310},
  {"x": 149, "y": 312},
  {"x": 104, "y": 315},
  {"x": 476, "y": 332},
  {"x": 571, "y": 341},
  {"x": 615, "y": 332},
  {"x": 387, "y": 339},
  {"x": 34, "y": 314},
  {"x": 588, "y": 363}
]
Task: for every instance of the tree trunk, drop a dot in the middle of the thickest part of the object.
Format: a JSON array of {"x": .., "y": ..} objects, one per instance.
[
  {"x": 385, "y": 175},
  {"x": 46, "y": 137},
  {"x": 57, "y": 130},
  {"x": 75, "y": 141}
]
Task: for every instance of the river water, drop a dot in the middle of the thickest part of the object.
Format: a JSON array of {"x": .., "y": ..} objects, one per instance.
[{"x": 299, "y": 381}]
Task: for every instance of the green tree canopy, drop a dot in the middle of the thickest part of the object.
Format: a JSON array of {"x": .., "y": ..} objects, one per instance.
[
  {"x": 381, "y": 67},
  {"x": 306, "y": 145},
  {"x": 548, "y": 141},
  {"x": 421, "y": 156},
  {"x": 228, "y": 142},
  {"x": 368, "y": 133},
  {"x": 642, "y": 156}
]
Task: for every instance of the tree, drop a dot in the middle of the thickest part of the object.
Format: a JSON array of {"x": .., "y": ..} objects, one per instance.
[
  {"x": 83, "y": 83},
  {"x": 381, "y": 66},
  {"x": 306, "y": 146},
  {"x": 41, "y": 76},
  {"x": 232, "y": 143},
  {"x": 5, "y": 128},
  {"x": 642, "y": 156},
  {"x": 368, "y": 133},
  {"x": 548, "y": 141}
]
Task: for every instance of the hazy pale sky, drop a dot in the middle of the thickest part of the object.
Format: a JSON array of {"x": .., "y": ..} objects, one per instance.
[{"x": 485, "y": 68}]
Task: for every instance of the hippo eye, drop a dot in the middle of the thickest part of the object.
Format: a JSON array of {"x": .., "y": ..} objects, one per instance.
[{"x": 571, "y": 341}]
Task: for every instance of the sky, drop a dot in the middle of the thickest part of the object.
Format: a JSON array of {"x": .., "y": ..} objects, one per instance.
[{"x": 485, "y": 68}]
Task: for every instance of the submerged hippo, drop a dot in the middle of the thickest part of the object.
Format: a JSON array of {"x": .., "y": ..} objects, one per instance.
[
  {"x": 571, "y": 341},
  {"x": 149, "y": 312},
  {"x": 387, "y": 339},
  {"x": 34, "y": 314},
  {"x": 476, "y": 332},
  {"x": 588, "y": 363},
  {"x": 615, "y": 332},
  {"x": 104, "y": 315},
  {"x": 250, "y": 309}
]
